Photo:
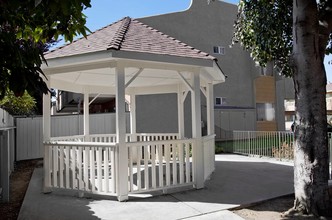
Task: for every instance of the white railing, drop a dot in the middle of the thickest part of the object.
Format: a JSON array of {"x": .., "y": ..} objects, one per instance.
[
  {"x": 159, "y": 165},
  {"x": 76, "y": 138},
  {"x": 155, "y": 162},
  {"x": 83, "y": 166},
  {"x": 209, "y": 155},
  {"x": 156, "y": 136},
  {"x": 103, "y": 138},
  {"x": 111, "y": 138},
  {"x": 276, "y": 144}
]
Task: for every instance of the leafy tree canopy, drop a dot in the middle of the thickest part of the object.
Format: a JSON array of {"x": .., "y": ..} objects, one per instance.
[
  {"x": 264, "y": 28},
  {"x": 27, "y": 28}
]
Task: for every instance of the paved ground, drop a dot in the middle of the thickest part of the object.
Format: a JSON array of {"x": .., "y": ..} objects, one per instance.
[{"x": 238, "y": 180}]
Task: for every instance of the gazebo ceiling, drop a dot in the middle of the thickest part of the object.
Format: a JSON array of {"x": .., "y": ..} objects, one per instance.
[{"x": 150, "y": 59}]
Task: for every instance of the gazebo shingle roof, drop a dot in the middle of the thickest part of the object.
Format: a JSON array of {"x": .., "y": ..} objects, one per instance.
[{"x": 129, "y": 35}]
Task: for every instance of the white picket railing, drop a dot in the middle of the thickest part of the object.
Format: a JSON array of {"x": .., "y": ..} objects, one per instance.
[
  {"x": 155, "y": 162},
  {"x": 83, "y": 166},
  {"x": 111, "y": 138},
  {"x": 156, "y": 136},
  {"x": 156, "y": 165},
  {"x": 76, "y": 138}
]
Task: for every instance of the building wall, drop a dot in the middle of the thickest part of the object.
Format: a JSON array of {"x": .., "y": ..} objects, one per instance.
[{"x": 204, "y": 26}]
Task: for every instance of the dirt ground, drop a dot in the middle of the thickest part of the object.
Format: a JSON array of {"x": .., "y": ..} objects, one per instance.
[
  {"x": 19, "y": 181},
  {"x": 273, "y": 210}
]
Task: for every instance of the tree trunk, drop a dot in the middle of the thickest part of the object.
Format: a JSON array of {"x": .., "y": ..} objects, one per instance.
[{"x": 311, "y": 146}]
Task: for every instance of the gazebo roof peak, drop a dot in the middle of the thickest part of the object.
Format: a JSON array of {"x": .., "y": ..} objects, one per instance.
[{"x": 129, "y": 35}]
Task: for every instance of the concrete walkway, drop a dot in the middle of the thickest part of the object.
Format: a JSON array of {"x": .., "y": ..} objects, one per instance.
[{"x": 238, "y": 180}]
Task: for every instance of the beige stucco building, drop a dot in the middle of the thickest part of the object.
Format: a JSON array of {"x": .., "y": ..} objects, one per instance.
[{"x": 252, "y": 98}]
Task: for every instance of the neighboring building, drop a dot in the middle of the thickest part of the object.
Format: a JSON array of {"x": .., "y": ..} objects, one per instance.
[
  {"x": 290, "y": 108},
  {"x": 67, "y": 102},
  {"x": 252, "y": 98}
]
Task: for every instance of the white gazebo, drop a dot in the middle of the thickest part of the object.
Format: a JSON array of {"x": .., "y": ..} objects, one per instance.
[{"x": 129, "y": 58}]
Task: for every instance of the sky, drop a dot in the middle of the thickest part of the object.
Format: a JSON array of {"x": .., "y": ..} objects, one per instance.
[{"x": 105, "y": 12}]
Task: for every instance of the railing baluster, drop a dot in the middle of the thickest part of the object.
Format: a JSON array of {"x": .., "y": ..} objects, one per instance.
[
  {"x": 73, "y": 167},
  {"x": 167, "y": 158},
  {"x": 106, "y": 170},
  {"x": 131, "y": 173},
  {"x": 187, "y": 150},
  {"x": 113, "y": 168},
  {"x": 146, "y": 167},
  {"x": 92, "y": 169},
  {"x": 181, "y": 157},
  {"x": 153, "y": 165},
  {"x": 61, "y": 170},
  {"x": 99, "y": 168},
  {"x": 86, "y": 166},
  {"x": 139, "y": 157},
  {"x": 55, "y": 166},
  {"x": 174, "y": 153},
  {"x": 79, "y": 166},
  {"x": 160, "y": 165},
  {"x": 67, "y": 167}
]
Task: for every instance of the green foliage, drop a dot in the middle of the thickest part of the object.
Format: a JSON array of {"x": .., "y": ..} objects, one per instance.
[
  {"x": 219, "y": 149},
  {"x": 23, "y": 105},
  {"x": 224, "y": 147},
  {"x": 265, "y": 29},
  {"x": 26, "y": 30}
]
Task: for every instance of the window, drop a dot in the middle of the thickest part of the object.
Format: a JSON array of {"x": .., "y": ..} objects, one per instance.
[
  {"x": 219, "y": 101},
  {"x": 219, "y": 50},
  {"x": 265, "y": 112}
]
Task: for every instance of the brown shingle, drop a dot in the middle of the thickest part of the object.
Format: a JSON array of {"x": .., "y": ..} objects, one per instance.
[{"x": 129, "y": 35}]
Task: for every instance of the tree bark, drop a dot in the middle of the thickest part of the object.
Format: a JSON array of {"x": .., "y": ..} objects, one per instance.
[{"x": 311, "y": 146}]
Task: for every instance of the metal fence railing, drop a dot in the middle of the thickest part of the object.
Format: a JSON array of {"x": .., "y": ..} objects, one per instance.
[{"x": 275, "y": 144}]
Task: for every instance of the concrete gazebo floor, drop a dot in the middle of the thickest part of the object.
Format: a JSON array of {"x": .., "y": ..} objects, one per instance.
[{"x": 237, "y": 181}]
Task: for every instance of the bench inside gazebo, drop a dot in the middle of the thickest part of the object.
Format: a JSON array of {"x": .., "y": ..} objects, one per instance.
[{"x": 130, "y": 58}]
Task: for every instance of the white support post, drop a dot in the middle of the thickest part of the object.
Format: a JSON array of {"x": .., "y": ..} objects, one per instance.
[
  {"x": 46, "y": 117},
  {"x": 210, "y": 109},
  {"x": 196, "y": 131},
  {"x": 46, "y": 137},
  {"x": 86, "y": 117},
  {"x": 133, "y": 117},
  {"x": 133, "y": 132},
  {"x": 122, "y": 180},
  {"x": 180, "y": 113},
  {"x": 210, "y": 118}
]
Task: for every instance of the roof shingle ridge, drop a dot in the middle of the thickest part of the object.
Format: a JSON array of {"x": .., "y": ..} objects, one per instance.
[
  {"x": 120, "y": 34},
  {"x": 80, "y": 38},
  {"x": 174, "y": 39}
]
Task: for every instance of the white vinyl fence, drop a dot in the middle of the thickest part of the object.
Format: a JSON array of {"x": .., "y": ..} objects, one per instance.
[
  {"x": 7, "y": 150},
  {"x": 29, "y": 132}
]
